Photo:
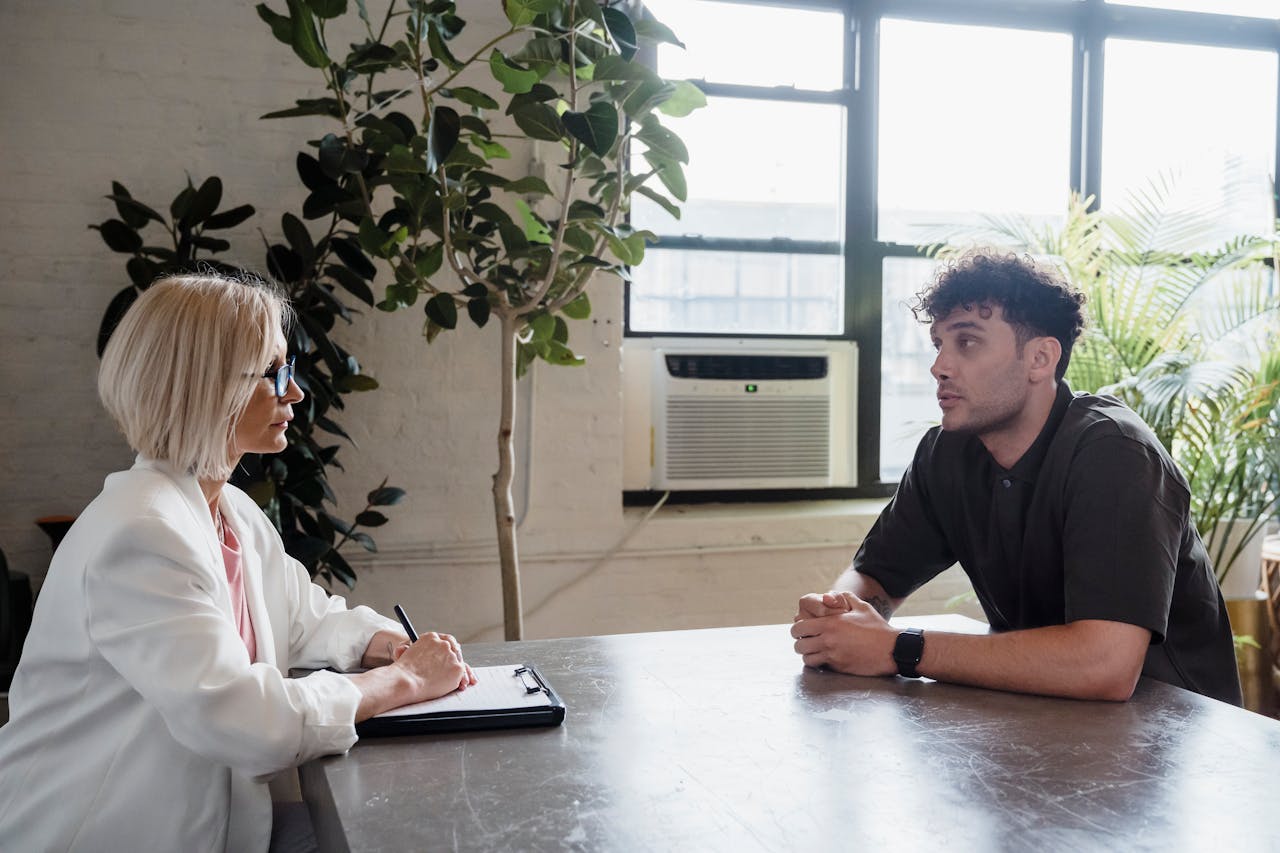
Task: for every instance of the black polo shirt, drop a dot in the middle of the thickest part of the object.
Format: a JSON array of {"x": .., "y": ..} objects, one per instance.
[{"x": 1093, "y": 522}]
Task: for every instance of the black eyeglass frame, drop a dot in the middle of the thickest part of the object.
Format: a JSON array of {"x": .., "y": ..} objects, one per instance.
[{"x": 281, "y": 376}]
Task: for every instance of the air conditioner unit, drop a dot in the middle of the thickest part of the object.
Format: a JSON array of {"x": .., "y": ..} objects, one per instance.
[{"x": 726, "y": 413}]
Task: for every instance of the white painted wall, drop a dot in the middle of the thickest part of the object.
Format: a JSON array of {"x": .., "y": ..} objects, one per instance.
[{"x": 144, "y": 91}]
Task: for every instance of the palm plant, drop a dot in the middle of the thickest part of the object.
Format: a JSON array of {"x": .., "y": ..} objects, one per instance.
[{"x": 1185, "y": 335}]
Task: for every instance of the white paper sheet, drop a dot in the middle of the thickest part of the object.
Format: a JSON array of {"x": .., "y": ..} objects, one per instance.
[{"x": 496, "y": 687}]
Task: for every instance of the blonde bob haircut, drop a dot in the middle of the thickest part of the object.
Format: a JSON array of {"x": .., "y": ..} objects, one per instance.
[{"x": 183, "y": 363}]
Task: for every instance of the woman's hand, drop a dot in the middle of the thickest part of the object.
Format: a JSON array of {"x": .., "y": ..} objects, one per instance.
[
  {"x": 427, "y": 669},
  {"x": 437, "y": 660}
]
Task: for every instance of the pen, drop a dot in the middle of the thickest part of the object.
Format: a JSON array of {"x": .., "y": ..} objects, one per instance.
[{"x": 408, "y": 626}]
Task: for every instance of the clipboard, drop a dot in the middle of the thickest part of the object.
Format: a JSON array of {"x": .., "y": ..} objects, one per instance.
[{"x": 504, "y": 697}]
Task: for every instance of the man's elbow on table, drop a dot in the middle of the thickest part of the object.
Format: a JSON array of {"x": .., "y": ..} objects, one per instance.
[{"x": 1114, "y": 654}]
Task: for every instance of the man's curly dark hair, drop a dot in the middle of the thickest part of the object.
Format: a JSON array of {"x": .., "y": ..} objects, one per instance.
[{"x": 1036, "y": 300}]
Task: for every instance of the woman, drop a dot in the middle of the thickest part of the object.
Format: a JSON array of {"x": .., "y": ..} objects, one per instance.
[{"x": 151, "y": 704}]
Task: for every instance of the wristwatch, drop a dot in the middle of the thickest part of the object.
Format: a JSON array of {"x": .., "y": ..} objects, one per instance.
[{"x": 907, "y": 651}]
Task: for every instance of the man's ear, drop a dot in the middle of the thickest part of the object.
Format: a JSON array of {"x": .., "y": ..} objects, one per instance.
[{"x": 1045, "y": 353}]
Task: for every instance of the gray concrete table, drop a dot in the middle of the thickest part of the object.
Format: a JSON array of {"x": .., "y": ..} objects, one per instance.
[{"x": 721, "y": 740}]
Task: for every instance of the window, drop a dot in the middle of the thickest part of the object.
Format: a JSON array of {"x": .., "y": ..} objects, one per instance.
[
  {"x": 842, "y": 134},
  {"x": 758, "y": 247}
]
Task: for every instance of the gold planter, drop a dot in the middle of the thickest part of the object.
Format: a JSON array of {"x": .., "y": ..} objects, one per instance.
[{"x": 1249, "y": 618}]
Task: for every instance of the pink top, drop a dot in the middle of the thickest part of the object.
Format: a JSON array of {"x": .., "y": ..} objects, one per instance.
[{"x": 239, "y": 602}]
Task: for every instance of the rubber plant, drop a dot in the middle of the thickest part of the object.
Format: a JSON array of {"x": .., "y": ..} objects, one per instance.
[
  {"x": 292, "y": 487},
  {"x": 410, "y": 166}
]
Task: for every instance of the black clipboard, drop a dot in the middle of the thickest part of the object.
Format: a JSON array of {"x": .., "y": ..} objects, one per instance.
[{"x": 512, "y": 710}]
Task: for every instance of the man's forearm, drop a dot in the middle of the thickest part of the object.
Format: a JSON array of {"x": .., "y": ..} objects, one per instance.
[{"x": 1090, "y": 659}]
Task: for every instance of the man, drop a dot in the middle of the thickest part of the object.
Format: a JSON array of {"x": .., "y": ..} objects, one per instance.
[{"x": 1064, "y": 510}]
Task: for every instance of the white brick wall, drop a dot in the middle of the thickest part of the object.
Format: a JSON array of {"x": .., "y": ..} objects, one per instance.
[{"x": 144, "y": 91}]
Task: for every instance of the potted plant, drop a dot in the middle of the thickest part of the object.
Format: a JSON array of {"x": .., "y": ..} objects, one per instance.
[{"x": 409, "y": 168}]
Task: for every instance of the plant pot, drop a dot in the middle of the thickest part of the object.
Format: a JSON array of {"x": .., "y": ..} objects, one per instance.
[{"x": 1244, "y": 574}]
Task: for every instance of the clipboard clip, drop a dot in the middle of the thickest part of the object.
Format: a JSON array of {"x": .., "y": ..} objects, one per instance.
[{"x": 531, "y": 680}]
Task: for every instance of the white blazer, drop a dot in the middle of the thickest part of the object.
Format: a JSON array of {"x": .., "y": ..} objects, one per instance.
[{"x": 138, "y": 721}]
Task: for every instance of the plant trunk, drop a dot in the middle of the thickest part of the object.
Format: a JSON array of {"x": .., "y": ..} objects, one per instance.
[{"x": 503, "y": 506}]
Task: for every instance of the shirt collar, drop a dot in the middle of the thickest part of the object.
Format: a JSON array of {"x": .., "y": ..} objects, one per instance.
[{"x": 1028, "y": 465}]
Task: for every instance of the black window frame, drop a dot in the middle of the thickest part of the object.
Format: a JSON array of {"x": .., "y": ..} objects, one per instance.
[{"x": 1089, "y": 23}]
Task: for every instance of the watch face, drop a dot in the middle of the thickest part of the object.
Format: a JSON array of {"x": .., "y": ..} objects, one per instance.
[{"x": 907, "y": 651}]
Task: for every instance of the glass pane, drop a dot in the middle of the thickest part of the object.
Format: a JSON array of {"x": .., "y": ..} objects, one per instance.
[
  {"x": 724, "y": 43},
  {"x": 961, "y": 137},
  {"x": 757, "y": 169},
  {"x": 1248, "y": 8},
  {"x": 908, "y": 405},
  {"x": 1202, "y": 119},
  {"x": 738, "y": 293}
]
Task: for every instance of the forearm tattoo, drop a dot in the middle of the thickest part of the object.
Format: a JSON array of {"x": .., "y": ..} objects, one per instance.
[{"x": 881, "y": 605}]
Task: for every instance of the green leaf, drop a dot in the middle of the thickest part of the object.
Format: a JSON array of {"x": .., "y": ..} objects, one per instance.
[
  {"x": 514, "y": 79},
  {"x": 685, "y": 99},
  {"x": 579, "y": 308},
  {"x": 491, "y": 150},
  {"x": 521, "y": 13},
  {"x": 622, "y": 31},
  {"x": 281, "y": 26},
  {"x": 471, "y": 97},
  {"x": 671, "y": 175},
  {"x": 142, "y": 271},
  {"x": 365, "y": 540},
  {"x": 118, "y": 236},
  {"x": 444, "y": 131},
  {"x": 542, "y": 326},
  {"x": 539, "y": 121},
  {"x": 310, "y": 107},
  {"x": 535, "y": 230},
  {"x": 442, "y": 310},
  {"x": 655, "y": 31},
  {"x": 229, "y": 218},
  {"x": 665, "y": 203},
  {"x": 597, "y": 128},
  {"x": 328, "y": 8},
  {"x": 613, "y": 67},
  {"x": 371, "y": 518},
  {"x": 298, "y": 236},
  {"x": 428, "y": 262},
  {"x": 385, "y": 496},
  {"x": 355, "y": 382},
  {"x": 349, "y": 252},
  {"x": 350, "y": 282},
  {"x": 440, "y": 51},
  {"x": 558, "y": 353},
  {"x": 528, "y": 185},
  {"x": 182, "y": 202},
  {"x": 540, "y": 93},
  {"x": 120, "y": 303},
  {"x": 204, "y": 202},
  {"x": 304, "y": 38},
  {"x": 581, "y": 209},
  {"x": 660, "y": 141},
  {"x": 134, "y": 213},
  {"x": 478, "y": 309}
]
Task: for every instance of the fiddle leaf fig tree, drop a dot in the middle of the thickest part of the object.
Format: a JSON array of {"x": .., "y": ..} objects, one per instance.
[{"x": 410, "y": 168}]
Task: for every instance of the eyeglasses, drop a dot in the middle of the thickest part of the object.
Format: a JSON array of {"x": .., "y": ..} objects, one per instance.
[{"x": 281, "y": 376}]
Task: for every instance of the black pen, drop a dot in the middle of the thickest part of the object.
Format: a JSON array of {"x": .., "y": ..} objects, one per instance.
[{"x": 408, "y": 626}]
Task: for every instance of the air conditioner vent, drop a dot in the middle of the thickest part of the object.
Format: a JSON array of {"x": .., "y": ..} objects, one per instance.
[
  {"x": 757, "y": 368},
  {"x": 783, "y": 437}
]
